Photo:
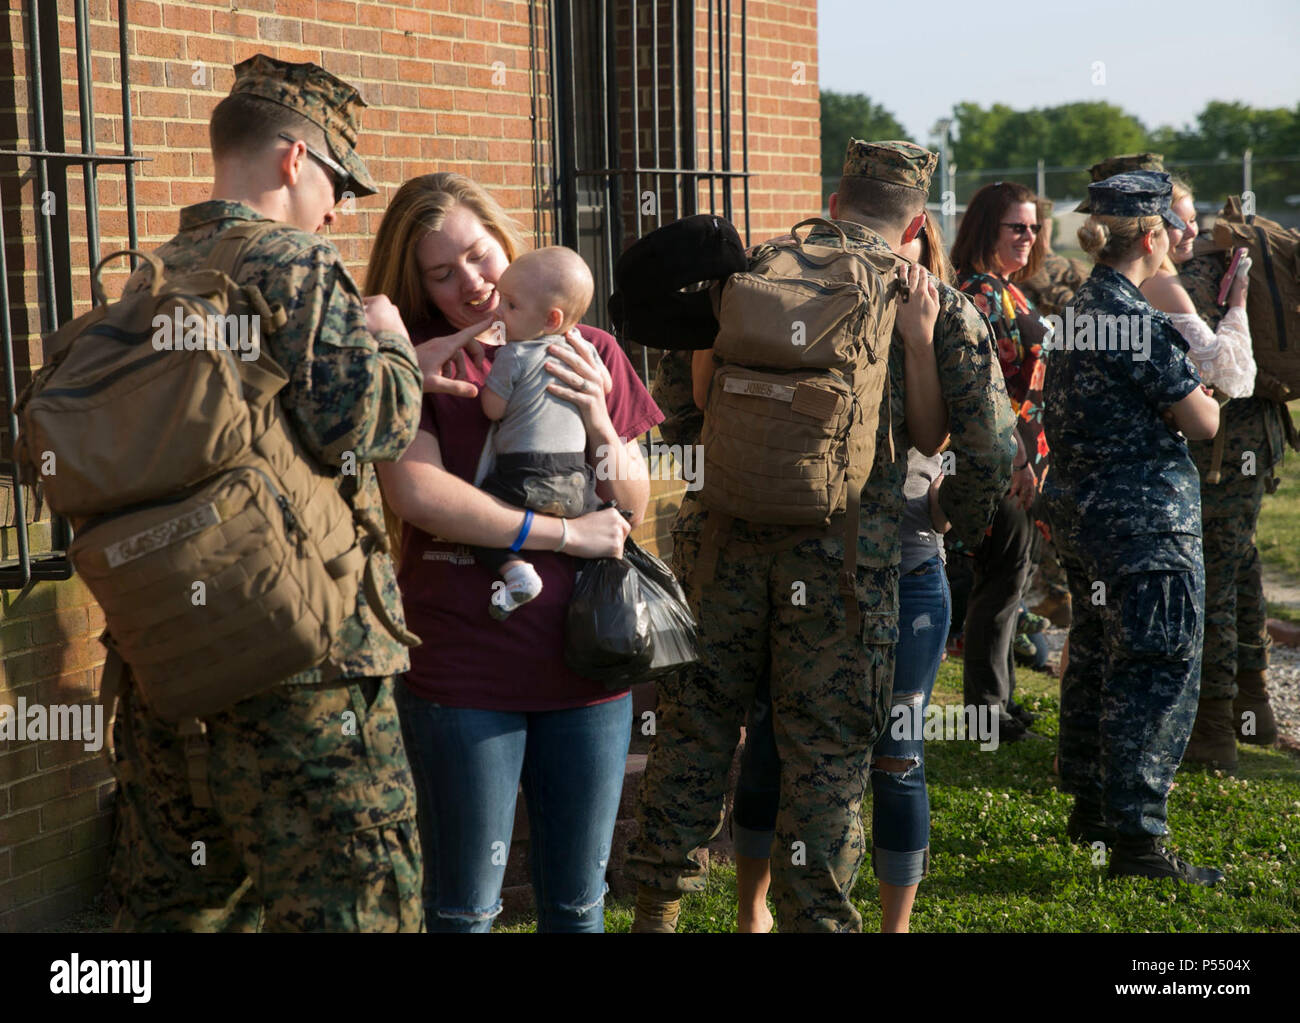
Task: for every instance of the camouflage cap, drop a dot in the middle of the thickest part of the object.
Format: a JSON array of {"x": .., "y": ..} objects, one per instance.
[
  {"x": 1112, "y": 165},
  {"x": 328, "y": 102},
  {"x": 1135, "y": 194},
  {"x": 899, "y": 163}
]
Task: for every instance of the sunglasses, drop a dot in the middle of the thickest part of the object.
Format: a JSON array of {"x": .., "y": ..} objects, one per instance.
[
  {"x": 339, "y": 177},
  {"x": 1019, "y": 229}
]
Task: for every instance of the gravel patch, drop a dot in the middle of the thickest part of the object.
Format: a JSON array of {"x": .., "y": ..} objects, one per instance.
[{"x": 1283, "y": 680}]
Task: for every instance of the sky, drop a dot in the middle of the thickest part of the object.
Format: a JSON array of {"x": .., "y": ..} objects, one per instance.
[{"x": 1158, "y": 65}]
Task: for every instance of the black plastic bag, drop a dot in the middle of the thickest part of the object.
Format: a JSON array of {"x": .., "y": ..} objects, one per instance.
[{"x": 628, "y": 621}]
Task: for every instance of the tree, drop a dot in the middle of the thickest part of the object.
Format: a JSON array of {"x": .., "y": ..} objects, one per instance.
[{"x": 846, "y": 116}]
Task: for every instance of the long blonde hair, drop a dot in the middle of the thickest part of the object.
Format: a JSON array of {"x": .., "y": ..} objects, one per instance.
[
  {"x": 1182, "y": 190},
  {"x": 933, "y": 256},
  {"x": 419, "y": 207}
]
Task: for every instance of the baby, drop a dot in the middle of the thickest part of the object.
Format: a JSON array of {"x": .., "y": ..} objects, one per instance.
[{"x": 541, "y": 442}]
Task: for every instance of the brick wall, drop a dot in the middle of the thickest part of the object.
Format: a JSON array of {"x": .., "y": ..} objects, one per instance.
[{"x": 449, "y": 86}]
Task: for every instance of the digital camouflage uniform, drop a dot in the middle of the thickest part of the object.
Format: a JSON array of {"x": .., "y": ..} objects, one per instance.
[
  {"x": 1255, "y": 436},
  {"x": 312, "y": 823},
  {"x": 775, "y": 607},
  {"x": 1123, "y": 498}
]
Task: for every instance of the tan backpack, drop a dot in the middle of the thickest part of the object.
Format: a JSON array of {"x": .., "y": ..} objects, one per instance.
[
  {"x": 790, "y": 425},
  {"x": 224, "y": 557},
  {"x": 1273, "y": 302}
]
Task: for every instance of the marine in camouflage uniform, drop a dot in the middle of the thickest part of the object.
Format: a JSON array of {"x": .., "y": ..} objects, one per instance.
[
  {"x": 1255, "y": 433},
  {"x": 774, "y": 607},
  {"x": 1123, "y": 497},
  {"x": 312, "y": 818}
]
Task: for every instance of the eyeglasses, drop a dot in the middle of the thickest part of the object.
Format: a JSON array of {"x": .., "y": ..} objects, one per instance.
[
  {"x": 339, "y": 177},
  {"x": 1019, "y": 229}
]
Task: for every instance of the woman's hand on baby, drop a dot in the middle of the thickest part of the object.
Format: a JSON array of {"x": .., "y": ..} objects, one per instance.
[
  {"x": 598, "y": 534},
  {"x": 582, "y": 381},
  {"x": 443, "y": 365}
]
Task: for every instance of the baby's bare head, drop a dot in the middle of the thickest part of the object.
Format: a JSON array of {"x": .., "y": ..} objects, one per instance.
[{"x": 554, "y": 277}]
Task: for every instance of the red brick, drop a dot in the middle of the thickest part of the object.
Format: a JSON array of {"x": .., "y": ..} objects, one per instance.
[
  {"x": 187, "y": 19},
  {"x": 39, "y": 851},
  {"x": 62, "y": 812},
  {"x": 335, "y": 10},
  {"x": 19, "y": 891},
  {"x": 88, "y": 773},
  {"x": 19, "y": 827},
  {"x": 38, "y": 789},
  {"x": 143, "y": 14}
]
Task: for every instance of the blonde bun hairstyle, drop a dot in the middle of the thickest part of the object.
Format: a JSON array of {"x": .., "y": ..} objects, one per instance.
[{"x": 1111, "y": 239}]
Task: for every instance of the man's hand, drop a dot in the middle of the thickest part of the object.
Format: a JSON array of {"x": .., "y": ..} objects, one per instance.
[
  {"x": 919, "y": 311},
  {"x": 442, "y": 360},
  {"x": 381, "y": 314},
  {"x": 1024, "y": 486}
]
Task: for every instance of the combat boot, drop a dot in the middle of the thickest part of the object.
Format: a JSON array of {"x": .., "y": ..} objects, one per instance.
[
  {"x": 1087, "y": 825},
  {"x": 656, "y": 911},
  {"x": 1214, "y": 737},
  {"x": 1252, "y": 712},
  {"x": 1148, "y": 857}
]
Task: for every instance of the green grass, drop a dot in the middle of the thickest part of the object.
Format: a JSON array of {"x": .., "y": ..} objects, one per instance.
[
  {"x": 1278, "y": 537},
  {"x": 1000, "y": 860}
]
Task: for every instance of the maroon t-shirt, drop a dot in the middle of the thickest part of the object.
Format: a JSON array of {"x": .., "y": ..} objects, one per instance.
[{"x": 468, "y": 659}]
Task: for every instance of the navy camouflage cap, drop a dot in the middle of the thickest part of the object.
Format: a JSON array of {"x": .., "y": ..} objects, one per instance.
[
  {"x": 1112, "y": 165},
  {"x": 328, "y": 102},
  {"x": 899, "y": 163},
  {"x": 1135, "y": 194}
]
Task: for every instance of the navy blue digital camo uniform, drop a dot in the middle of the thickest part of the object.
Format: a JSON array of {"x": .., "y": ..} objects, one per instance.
[{"x": 1124, "y": 501}]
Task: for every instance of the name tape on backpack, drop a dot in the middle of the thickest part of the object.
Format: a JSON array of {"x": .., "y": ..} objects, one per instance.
[{"x": 165, "y": 533}]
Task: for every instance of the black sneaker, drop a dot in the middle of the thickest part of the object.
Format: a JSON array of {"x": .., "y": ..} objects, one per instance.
[
  {"x": 1087, "y": 825},
  {"x": 1010, "y": 729},
  {"x": 1149, "y": 858},
  {"x": 1020, "y": 714}
]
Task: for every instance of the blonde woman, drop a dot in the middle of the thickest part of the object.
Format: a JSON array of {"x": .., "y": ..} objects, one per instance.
[
  {"x": 1123, "y": 499},
  {"x": 487, "y": 705},
  {"x": 1223, "y": 357}
]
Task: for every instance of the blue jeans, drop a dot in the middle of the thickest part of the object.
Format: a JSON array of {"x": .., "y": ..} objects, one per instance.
[
  {"x": 900, "y": 820},
  {"x": 468, "y": 766}
]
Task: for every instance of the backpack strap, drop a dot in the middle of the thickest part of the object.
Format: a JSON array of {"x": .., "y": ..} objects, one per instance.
[{"x": 227, "y": 256}]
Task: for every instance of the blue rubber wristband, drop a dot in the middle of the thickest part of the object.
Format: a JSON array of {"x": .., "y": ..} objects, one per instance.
[{"x": 523, "y": 530}]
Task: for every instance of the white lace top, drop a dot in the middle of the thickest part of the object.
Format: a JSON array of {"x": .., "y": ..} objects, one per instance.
[{"x": 1224, "y": 359}]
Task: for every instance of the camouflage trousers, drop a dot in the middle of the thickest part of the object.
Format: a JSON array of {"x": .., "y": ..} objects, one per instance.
[
  {"x": 311, "y": 827},
  {"x": 1129, "y": 695},
  {"x": 1236, "y": 636},
  {"x": 777, "y": 614}
]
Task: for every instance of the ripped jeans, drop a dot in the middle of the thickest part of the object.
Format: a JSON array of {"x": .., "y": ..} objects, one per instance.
[
  {"x": 900, "y": 819},
  {"x": 468, "y": 765}
]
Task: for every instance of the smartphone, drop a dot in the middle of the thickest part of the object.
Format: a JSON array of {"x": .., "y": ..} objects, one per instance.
[{"x": 1226, "y": 286}]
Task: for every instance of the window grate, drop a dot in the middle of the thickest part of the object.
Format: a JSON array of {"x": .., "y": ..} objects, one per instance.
[
  {"x": 626, "y": 125},
  {"x": 54, "y": 236}
]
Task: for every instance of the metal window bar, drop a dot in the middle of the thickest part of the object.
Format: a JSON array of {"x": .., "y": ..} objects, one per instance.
[
  {"x": 44, "y": 86},
  {"x": 596, "y": 90}
]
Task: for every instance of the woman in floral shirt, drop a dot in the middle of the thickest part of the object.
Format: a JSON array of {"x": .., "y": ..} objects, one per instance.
[{"x": 997, "y": 241}]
